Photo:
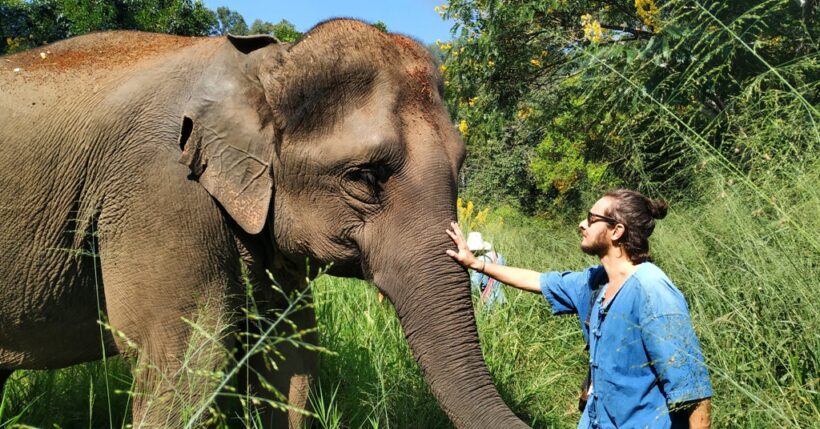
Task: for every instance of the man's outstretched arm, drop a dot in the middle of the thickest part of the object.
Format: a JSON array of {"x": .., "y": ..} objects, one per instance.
[{"x": 520, "y": 278}]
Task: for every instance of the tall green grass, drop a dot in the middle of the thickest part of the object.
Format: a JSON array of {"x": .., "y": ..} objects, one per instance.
[
  {"x": 748, "y": 276},
  {"x": 202, "y": 390},
  {"x": 749, "y": 279},
  {"x": 741, "y": 244}
]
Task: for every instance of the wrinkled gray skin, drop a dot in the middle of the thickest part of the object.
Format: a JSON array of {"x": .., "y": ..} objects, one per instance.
[{"x": 173, "y": 159}]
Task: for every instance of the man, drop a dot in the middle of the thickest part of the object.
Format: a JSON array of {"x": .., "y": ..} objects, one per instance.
[
  {"x": 489, "y": 289},
  {"x": 646, "y": 366}
]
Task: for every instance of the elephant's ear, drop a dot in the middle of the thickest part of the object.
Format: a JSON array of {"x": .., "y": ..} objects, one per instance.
[
  {"x": 227, "y": 137},
  {"x": 248, "y": 44}
]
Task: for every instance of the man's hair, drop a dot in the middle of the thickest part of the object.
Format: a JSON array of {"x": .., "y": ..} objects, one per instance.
[{"x": 637, "y": 213}]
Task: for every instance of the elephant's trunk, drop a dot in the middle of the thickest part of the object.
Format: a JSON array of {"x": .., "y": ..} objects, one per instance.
[{"x": 431, "y": 294}]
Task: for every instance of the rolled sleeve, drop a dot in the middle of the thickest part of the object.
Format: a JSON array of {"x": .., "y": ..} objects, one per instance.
[
  {"x": 675, "y": 354},
  {"x": 565, "y": 291}
]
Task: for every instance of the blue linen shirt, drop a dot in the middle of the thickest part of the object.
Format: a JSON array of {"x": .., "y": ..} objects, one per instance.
[{"x": 644, "y": 355}]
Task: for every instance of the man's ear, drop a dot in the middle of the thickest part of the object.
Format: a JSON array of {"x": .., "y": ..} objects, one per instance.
[
  {"x": 227, "y": 137},
  {"x": 618, "y": 232}
]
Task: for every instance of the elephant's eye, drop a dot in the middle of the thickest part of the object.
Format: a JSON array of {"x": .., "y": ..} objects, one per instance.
[
  {"x": 366, "y": 176},
  {"x": 365, "y": 183}
]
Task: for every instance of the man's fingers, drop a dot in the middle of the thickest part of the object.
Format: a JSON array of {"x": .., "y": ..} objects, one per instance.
[
  {"x": 459, "y": 239},
  {"x": 455, "y": 238}
]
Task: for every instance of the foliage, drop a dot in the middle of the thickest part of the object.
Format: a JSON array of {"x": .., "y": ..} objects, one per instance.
[
  {"x": 381, "y": 26},
  {"x": 747, "y": 275},
  {"x": 565, "y": 98},
  {"x": 436, "y": 52},
  {"x": 229, "y": 21},
  {"x": 26, "y": 24},
  {"x": 284, "y": 30},
  {"x": 181, "y": 17},
  {"x": 207, "y": 390},
  {"x": 468, "y": 218}
]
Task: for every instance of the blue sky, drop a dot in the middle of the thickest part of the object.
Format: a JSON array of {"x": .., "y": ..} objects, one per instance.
[{"x": 415, "y": 18}]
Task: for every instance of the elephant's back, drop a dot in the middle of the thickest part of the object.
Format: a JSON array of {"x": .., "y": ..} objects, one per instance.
[
  {"x": 90, "y": 54},
  {"x": 40, "y": 78}
]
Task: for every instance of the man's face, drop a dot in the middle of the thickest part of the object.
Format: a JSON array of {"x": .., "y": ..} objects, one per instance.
[{"x": 595, "y": 238}]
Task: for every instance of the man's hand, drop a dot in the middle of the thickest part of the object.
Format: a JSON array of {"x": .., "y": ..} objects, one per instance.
[
  {"x": 464, "y": 256},
  {"x": 516, "y": 277}
]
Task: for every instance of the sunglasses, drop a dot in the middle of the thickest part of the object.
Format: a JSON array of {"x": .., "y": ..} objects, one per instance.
[{"x": 592, "y": 218}]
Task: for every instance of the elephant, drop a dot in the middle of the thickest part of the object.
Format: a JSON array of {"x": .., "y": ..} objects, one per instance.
[{"x": 188, "y": 165}]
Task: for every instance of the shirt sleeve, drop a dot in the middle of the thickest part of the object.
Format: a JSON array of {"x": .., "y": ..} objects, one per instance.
[
  {"x": 566, "y": 291},
  {"x": 674, "y": 352}
]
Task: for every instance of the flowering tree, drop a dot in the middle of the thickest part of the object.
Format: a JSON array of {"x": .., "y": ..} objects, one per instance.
[{"x": 558, "y": 99}]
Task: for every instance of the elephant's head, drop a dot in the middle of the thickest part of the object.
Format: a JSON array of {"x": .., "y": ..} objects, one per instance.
[{"x": 341, "y": 145}]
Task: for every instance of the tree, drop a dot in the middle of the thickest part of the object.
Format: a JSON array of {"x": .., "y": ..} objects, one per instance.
[
  {"x": 284, "y": 30},
  {"x": 26, "y": 24},
  {"x": 436, "y": 52},
  {"x": 181, "y": 17},
  {"x": 229, "y": 21},
  {"x": 87, "y": 16},
  {"x": 381, "y": 26},
  {"x": 557, "y": 100},
  {"x": 261, "y": 27}
]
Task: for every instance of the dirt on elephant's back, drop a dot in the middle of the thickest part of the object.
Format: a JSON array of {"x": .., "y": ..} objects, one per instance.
[{"x": 93, "y": 52}]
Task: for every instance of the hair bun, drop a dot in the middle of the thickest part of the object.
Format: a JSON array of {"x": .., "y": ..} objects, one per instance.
[{"x": 658, "y": 208}]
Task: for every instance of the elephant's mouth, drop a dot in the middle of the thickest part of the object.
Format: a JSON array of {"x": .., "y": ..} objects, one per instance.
[
  {"x": 349, "y": 266},
  {"x": 350, "y": 262},
  {"x": 353, "y": 270}
]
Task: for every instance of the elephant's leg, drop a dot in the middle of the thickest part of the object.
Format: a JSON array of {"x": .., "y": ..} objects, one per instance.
[
  {"x": 296, "y": 369},
  {"x": 170, "y": 287},
  {"x": 177, "y": 372}
]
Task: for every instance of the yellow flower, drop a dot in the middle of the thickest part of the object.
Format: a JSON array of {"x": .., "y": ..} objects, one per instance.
[
  {"x": 442, "y": 68},
  {"x": 535, "y": 62},
  {"x": 463, "y": 128},
  {"x": 13, "y": 44},
  {"x": 481, "y": 217},
  {"x": 490, "y": 63},
  {"x": 465, "y": 214},
  {"x": 524, "y": 113},
  {"x": 471, "y": 101},
  {"x": 469, "y": 219},
  {"x": 649, "y": 13},
  {"x": 592, "y": 28},
  {"x": 441, "y": 10},
  {"x": 444, "y": 46}
]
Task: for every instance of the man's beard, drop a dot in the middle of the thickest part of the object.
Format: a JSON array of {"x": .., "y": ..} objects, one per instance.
[{"x": 599, "y": 246}]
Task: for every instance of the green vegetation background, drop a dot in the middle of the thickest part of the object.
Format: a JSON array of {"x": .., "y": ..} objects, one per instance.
[{"x": 712, "y": 105}]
